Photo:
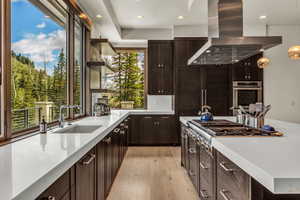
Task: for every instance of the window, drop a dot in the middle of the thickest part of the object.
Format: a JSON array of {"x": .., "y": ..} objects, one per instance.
[
  {"x": 39, "y": 64},
  {"x": 128, "y": 79},
  {"x": 78, "y": 67}
]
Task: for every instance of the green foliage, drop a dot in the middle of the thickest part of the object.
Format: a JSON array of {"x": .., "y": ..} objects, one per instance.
[
  {"x": 30, "y": 85},
  {"x": 128, "y": 80}
]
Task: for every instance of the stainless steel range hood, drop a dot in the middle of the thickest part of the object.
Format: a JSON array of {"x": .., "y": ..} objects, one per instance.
[{"x": 226, "y": 43}]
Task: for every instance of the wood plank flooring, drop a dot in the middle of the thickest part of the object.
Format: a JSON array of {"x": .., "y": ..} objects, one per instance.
[{"x": 152, "y": 173}]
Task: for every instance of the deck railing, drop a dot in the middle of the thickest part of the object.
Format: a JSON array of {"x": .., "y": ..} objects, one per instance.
[{"x": 31, "y": 117}]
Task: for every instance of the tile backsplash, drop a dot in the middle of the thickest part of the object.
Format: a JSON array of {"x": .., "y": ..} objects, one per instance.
[{"x": 160, "y": 102}]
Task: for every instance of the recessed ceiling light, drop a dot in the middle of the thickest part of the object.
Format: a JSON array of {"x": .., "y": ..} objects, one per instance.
[
  {"x": 47, "y": 16},
  {"x": 263, "y": 17},
  {"x": 208, "y": 51},
  {"x": 180, "y": 17},
  {"x": 99, "y": 16},
  {"x": 140, "y": 17}
]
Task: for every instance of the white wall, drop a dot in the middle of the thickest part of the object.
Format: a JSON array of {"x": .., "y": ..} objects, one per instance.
[{"x": 282, "y": 77}]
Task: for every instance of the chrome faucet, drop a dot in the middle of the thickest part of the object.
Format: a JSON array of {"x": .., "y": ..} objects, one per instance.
[{"x": 61, "y": 119}]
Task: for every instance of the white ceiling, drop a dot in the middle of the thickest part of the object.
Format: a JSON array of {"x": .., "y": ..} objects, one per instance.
[
  {"x": 159, "y": 13},
  {"x": 119, "y": 15}
]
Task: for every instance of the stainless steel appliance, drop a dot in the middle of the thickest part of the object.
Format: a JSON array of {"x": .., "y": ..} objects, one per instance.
[
  {"x": 226, "y": 41},
  {"x": 224, "y": 128},
  {"x": 101, "y": 107},
  {"x": 246, "y": 93}
]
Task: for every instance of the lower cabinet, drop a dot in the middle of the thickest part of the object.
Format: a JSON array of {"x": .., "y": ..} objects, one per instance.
[
  {"x": 63, "y": 188},
  {"x": 215, "y": 177},
  {"x": 232, "y": 181},
  {"x": 86, "y": 176},
  {"x": 92, "y": 176},
  {"x": 153, "y": 130}
]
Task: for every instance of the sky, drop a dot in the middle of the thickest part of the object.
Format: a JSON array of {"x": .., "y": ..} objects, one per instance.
[{"x": 35, "y": 35}]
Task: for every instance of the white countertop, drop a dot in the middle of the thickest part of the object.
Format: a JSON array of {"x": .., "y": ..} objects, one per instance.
[
  {"x": 272, "y": 161},
  {"x": 31, "y": 165}
]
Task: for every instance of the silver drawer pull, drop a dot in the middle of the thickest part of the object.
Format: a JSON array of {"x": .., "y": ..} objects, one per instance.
[
  {"x": 204, "y": 194},
  {"x": 226, "y": 169},
  {"x": 51, "y": 198},
  {"x": 92, "y": 157},
  {"x": 117, "y": 130},
  {"x": 192, "y": 150},
  {"x": 223, "y": 194},
  {"x": 203, "y": 166}
]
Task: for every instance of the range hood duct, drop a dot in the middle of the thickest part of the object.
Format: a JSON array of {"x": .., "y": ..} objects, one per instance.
[{"x": 226, "y": 43}]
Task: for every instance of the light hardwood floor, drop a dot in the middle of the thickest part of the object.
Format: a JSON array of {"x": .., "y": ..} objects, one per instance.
[{"x": 152, "y": 173}]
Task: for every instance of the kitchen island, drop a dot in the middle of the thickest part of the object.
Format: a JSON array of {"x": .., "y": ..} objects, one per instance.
[
  {"x": 29, "y": 166},
  {"x": 271, "y": 161}
]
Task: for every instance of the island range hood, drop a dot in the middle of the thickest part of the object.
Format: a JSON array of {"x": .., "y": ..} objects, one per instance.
[{"x": 226, "y": 43}]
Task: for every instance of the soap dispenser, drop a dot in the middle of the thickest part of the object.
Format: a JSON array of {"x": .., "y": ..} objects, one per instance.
[{"x": 43, "y": 126}]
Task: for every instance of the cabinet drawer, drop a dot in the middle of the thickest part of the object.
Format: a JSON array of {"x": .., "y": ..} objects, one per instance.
[
  {"x": 232, "y": 181},
  {"x": 58, "y": 189},
  {"x": 207, "y": 168}
]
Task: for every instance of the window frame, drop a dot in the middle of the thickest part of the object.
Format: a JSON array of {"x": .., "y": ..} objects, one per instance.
[
  {"x": 6, "y": 134},
  {"x": 82, "y": 66}
]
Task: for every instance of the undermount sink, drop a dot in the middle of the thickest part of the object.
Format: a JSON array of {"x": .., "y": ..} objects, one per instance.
[{"x": 78, "y": 129}]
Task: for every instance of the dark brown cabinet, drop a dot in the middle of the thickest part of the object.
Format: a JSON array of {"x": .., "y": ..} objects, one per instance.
[
  {"x": 247, "y": 70},
  {"x": 216, "y": 89},
  {"x": 215, "y": 177},
  {"x": 86, "y": 176},
  {"x": 232, "y": 182},
  {"x": 101, "y": 173},
  {"x": 62, "y": 188},
  {"x": 160, "y": 67},
  {"x": 193, "y": 160},
  {"x": 195, "y": 84},
  {"x": 153, "y": 130}
]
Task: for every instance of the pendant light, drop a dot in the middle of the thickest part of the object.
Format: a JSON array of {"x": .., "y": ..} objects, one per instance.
[
  {"x": 294, "y": 52},
  {"x": 264, "y": 62}
]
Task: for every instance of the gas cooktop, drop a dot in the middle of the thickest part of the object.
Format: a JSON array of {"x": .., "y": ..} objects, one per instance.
[{"x": 228, "y": 128}]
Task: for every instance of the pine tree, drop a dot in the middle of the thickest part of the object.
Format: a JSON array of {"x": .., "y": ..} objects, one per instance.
[{"x": 128, "y": 79}]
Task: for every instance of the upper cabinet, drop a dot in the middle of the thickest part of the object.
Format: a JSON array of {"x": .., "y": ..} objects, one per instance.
[
  {"x": 185, "y": 48},
  {"x": 247, "y": 70},
  {"x": 160, "y": 67}
]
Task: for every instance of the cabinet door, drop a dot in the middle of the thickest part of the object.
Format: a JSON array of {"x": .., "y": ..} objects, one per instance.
[
  {"x": 166, "y": 132},
  {"x": 192, "y": 157},
  {"x": 216, "y": 89},
  {"x": 108, "y": 164},
  {"x": 135, "y": 129},
  {"x": 185, "y": 48},
  {"x": 247, "y": 70},
  {"x": 166, "y": 60},
  {"x": 115, "y": 151},
  {"x": 207, "y": 173},
  {"x": 148, "y": 130},
  {"x": 188, "y": 91},
  {"x": 153, "y": 55},
  {"x": 232, "y": 181},
  {"x": 101, "y": 170},
  {"x": 86, "y": 177},
  {"x": 155, "y": 81},
  {"x": 59, "y": 189}
]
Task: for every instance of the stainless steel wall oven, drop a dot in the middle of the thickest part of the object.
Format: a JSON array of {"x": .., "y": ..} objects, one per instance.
[{"x": 246, "y": 92}]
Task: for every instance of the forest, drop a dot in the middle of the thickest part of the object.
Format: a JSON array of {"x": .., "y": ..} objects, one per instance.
[{"x": 31, "y": 84}]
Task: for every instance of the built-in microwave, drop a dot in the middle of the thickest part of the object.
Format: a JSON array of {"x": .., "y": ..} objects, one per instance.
[{"x": 246, "y": 93}]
